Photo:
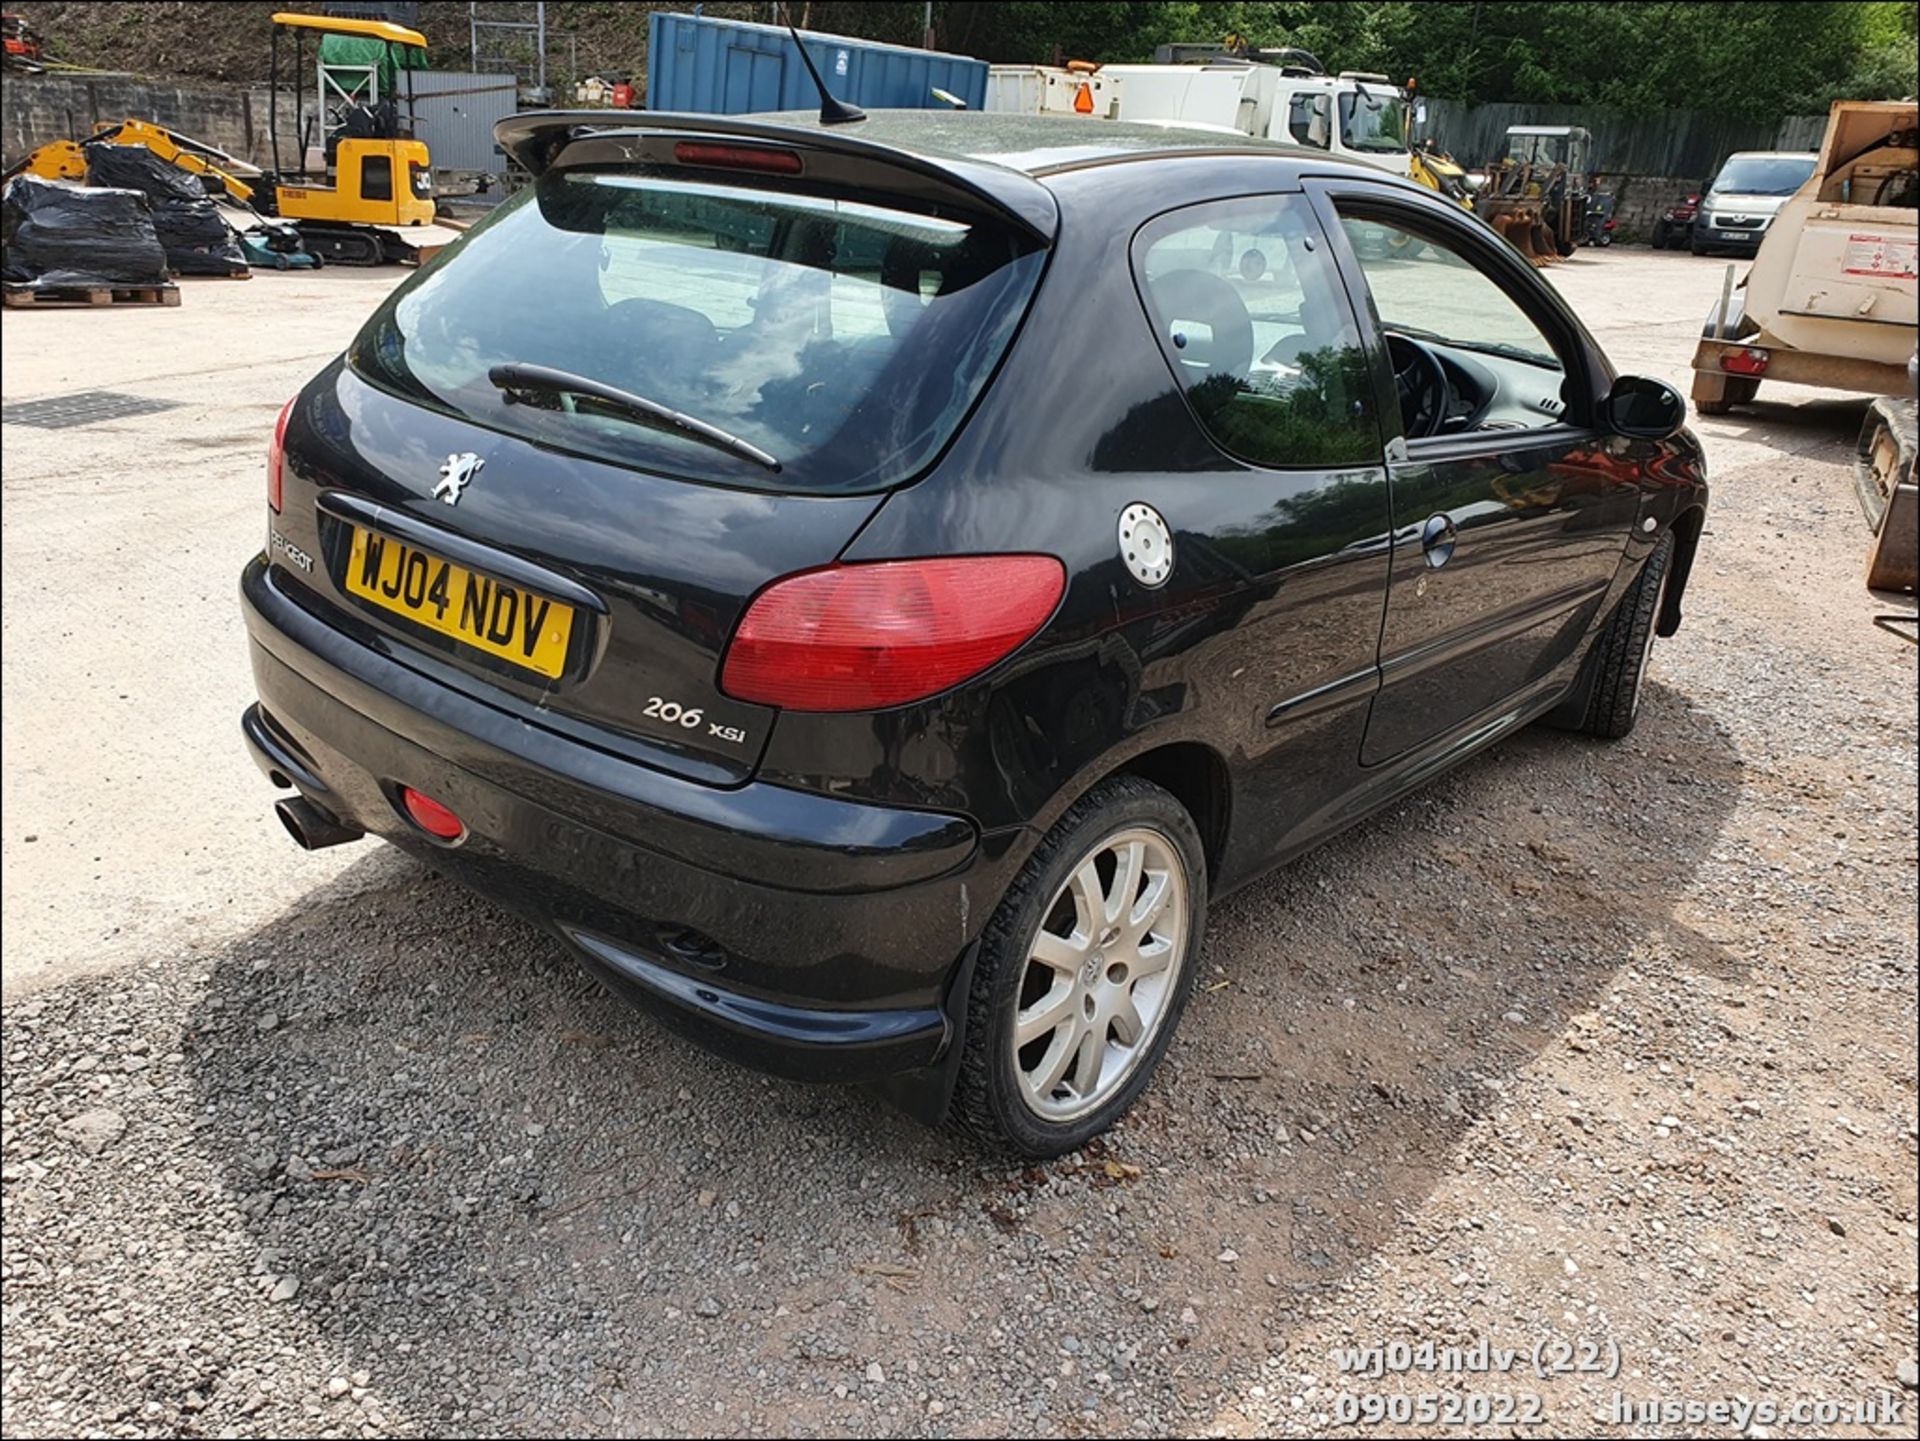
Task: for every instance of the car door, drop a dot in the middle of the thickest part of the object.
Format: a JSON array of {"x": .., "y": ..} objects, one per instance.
[
  {"x": 1510, "y": 514},
  {"x": 1253, "y": 321}
]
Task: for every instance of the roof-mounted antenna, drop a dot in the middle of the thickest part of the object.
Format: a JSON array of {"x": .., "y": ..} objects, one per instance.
[{"x": 832, "y": 112}]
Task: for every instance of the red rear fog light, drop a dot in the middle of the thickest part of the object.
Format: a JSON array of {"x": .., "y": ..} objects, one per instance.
[
  {"x": 1751, "y": 361},
  {"x": 432, "y": 817}
]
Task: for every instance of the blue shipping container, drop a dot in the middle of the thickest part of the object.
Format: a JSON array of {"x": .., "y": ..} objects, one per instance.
[{"x": 706, "y": 66}]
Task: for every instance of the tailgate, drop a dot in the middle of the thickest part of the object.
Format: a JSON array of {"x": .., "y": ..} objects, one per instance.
[{"x": 640, "y": 577}]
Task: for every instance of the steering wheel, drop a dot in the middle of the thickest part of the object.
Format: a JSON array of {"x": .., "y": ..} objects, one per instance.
[{"x": 1426, "y": 396}]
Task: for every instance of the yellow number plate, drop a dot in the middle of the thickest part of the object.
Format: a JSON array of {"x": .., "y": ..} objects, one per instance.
[{"x": 489, "y": 615}]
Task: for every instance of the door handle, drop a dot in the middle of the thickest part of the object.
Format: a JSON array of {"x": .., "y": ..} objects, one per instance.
[{"x": 1438, "y": 537}]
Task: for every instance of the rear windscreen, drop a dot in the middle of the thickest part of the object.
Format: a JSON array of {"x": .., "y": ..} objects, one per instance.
[{"x": 842, "y": 339}]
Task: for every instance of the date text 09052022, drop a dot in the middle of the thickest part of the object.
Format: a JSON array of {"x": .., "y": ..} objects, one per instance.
[{"x": 1478, "y": 1409}]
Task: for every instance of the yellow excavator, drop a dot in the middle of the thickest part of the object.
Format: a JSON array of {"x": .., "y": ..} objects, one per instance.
[
  {"x": 355, "y": 188},
  {"x": 1432, "y": 167},
  {"x": 362, "y": 177},
  {"x": 67, "y": 159}
]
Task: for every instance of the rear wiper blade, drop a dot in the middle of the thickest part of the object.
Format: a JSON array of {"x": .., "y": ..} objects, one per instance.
[{"x": 544, "y": 380}]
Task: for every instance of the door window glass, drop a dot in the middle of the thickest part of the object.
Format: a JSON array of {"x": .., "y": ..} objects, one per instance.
[
  {"x": 1444, "y": 318},
  {"x": 1307, "y": 120},
  {"x": 1249, "y": 312}
]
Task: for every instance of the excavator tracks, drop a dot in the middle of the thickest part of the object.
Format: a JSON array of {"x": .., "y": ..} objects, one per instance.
[{"x": 355, "y": 245}]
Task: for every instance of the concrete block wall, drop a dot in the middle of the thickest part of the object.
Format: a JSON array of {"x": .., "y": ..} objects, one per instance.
[
  {"x": 37, "y": 108},
  {"x": 1638, "y": 200}
]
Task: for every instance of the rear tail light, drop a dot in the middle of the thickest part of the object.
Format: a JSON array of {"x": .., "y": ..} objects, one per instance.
[
  {"x": 1751, "y": 361},
  {"x": 865, "y": 636},
  {"x": 276, "y": 458}
]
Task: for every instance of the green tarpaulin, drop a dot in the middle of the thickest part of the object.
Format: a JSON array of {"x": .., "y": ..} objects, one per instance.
[{"x": 348, "y": 56}]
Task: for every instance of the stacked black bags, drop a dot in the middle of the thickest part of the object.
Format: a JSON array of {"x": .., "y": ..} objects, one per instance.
[
  {"x": 59, "y": 236},
  {"x": 196, "y": 239}
]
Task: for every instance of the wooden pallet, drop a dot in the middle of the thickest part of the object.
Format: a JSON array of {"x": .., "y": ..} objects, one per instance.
[{"x": 18, "y": 296}]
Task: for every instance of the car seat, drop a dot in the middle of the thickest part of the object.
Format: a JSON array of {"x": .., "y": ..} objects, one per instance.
[{"x": 1183, "y": 300}]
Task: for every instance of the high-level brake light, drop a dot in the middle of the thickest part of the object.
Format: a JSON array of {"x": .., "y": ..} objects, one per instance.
[{"x": 765, "y": 159}]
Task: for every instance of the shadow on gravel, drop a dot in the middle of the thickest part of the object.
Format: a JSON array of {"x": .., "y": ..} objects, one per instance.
[
  {"x": 521, "y": 1205},
  {"x": 1793, "y": 427}
]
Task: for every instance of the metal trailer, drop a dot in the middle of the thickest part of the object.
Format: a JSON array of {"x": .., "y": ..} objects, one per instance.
[
  {"x": 1830, "y": 299},
  {"x": 700, "y": 64}
]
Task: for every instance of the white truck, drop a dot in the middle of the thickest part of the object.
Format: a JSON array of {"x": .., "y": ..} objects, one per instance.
[
  {"x": 1076, "y": 89},
  {"x": 1356, "y": 115}
]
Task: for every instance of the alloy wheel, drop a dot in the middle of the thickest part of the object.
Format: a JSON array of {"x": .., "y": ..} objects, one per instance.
[{"x": 1101, "y": 974}]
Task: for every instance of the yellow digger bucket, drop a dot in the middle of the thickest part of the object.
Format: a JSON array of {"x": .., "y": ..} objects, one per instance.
[{"x": 1522, "y": 227}]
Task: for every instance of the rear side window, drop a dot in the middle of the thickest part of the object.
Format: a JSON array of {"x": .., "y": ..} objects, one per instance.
[
  {"x": 844, "y": 340},
  {"x": 1249, "y": 312}
]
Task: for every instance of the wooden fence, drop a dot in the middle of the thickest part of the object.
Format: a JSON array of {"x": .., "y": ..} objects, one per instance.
[{"x": 1689, "y": 144}]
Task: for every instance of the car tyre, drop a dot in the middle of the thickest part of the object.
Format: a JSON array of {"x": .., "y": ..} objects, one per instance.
[
  {"x": 1021, "y": 980},
  {"x": 1608, "y": 702},
  {"x": 1694, "y": 245}
]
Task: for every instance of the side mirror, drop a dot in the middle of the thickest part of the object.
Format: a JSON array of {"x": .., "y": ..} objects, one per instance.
[{"x": 1642, "y": 408}]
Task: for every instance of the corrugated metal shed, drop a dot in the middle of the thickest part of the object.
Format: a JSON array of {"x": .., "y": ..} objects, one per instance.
[
  {"x": 454, "y": 112},
  {"x": 728, "y": 67}
]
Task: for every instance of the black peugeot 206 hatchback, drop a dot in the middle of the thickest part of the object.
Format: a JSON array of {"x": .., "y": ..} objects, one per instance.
[{"x": 866, "y": 588}]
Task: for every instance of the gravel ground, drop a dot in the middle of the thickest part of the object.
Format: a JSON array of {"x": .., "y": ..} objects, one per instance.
[{"x": 1608, "y": 1043}]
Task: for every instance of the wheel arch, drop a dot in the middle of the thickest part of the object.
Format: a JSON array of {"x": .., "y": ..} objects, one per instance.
[{"x": 1196, "y": 775}]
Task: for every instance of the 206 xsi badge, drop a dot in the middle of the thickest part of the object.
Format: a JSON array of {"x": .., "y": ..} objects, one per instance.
[{"x": 921, "y": 565}]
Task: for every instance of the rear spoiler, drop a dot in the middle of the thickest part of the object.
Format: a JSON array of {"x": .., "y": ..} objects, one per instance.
[{"x": 543, "y": 140}]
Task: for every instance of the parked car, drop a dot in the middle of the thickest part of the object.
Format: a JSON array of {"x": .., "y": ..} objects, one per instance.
[
  {"x": 1741, "y": 201},
  {"x": 868, "y": 590},
  {"x": 1674, "y": 222}
]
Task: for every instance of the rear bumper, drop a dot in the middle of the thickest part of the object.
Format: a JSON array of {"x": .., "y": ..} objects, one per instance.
[{"x": 803, "y": 934}]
